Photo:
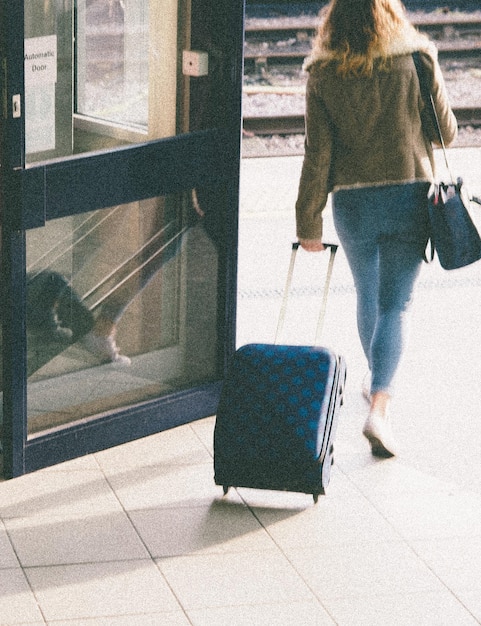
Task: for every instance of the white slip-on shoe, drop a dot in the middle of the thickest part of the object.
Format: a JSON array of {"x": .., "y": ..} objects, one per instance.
[
  {"x": 104, "y": 348},
  {"x": 378, "y": 432}
]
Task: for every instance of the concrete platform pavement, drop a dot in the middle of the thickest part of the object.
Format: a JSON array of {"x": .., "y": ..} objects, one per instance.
[
  {"x": 140, "y": 535},
  {"x": 439, "y": 390}
]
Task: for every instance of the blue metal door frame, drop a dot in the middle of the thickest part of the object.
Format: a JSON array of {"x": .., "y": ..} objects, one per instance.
[{"x": 31, "y": 196}]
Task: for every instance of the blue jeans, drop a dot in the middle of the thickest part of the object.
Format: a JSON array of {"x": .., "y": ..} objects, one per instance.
[
  {"x": 383, "y": 231},
  {"x": 141, "y": 271}
]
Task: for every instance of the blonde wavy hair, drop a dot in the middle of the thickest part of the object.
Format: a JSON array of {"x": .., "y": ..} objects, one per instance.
[{"x": 357, "y": 32}]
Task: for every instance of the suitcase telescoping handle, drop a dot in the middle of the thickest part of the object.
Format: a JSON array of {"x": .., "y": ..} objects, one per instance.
[{"x": 320, "y": 322}]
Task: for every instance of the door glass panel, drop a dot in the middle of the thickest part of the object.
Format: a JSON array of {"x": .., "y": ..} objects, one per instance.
[
  {"x": 99, "y": 74},
  {"x": 113, "y": 61},
  {"x": 139, "y": 278}
]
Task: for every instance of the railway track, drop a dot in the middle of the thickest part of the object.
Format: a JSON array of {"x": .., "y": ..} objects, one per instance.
[
  {"x": 294, "y": 124},
  {"x": 284, "y": 42},
  {"x": 270, "y": 42},
  {"x": 435, "y": 24},
  {"x": 260, "y": 60}
]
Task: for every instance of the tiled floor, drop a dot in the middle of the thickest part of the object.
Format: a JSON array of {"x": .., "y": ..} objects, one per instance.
[{"x": 141, "y": 535}]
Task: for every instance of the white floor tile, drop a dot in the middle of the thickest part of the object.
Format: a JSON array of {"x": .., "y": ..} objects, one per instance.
[
  {"x": 296, "y": 614},
  {"x": 178, "y": 446},
  {"x": 101, "y": 590},
  {"x": 46, "y": 493},
  {"x": 362, "y": 570},
  {"x": 457, "y": 561},
  {"x": 432, "y": 515},
  {"x": 7, "y": 555},
  {"x": 420, "y": 609},
  {"x": 152, "y": 619},
  {"x": 390, "y": 476},
  {"x": 40, "y": 541},
  {"x": 332, "y": 521},
  {"x": 17, "y": 602},
  {"x": 168, "y": 486},
  {"x": 472, "y": 601},
  {"x": 221, "y": 527},
  {"x": 204, "y": 429},
  {"x": 234, "y": 579}
]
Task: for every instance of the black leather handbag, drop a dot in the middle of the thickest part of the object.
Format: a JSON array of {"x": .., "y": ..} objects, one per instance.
[{"x": 453, "y": 234}]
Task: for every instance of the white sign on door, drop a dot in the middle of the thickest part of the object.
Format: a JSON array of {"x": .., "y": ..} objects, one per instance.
[
  {"x": 40, "y": 81},
  {"x": 41, "y": 60}
]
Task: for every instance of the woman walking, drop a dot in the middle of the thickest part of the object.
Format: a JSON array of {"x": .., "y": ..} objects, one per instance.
[{"x": 369, "y": 141}]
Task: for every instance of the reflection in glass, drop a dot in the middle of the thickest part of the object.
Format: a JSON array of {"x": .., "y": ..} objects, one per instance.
[
  {"x": 121, "y": 308},
  {"x": 113, "y": 60},
  {"x": 99, "y": 74}
]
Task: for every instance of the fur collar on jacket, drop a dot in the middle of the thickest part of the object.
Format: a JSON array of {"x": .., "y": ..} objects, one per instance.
[{"x": 408, "y": 41}]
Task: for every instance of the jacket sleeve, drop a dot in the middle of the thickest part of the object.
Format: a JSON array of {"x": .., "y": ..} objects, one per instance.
[
  {"x": 314, "y": 182},
  {"x": 446, "y": 117}
]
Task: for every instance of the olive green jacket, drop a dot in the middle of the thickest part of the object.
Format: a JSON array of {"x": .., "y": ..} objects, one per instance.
[{"x": 368, "y": 131}]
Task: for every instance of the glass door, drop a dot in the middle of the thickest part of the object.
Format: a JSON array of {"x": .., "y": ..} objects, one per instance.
[{"x": 119, "y": 206}]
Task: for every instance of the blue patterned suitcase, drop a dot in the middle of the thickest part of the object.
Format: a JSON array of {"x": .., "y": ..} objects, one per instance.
[{"x": 277, "y": 416}]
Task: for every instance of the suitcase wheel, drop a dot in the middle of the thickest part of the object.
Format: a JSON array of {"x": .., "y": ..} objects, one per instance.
[
  {"x": 315, "y": 496},
  {"x": 225, "y": 489}
]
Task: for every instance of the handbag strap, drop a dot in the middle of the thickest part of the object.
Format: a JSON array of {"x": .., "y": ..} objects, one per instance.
[{"x": 429, "y": 102}]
